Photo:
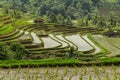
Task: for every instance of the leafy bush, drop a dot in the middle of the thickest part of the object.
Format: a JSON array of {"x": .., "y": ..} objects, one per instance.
[
  {"x": 18, "y": 50},
  {"x": 5, "y": 52},
  {"x": 13, "y": 51}
]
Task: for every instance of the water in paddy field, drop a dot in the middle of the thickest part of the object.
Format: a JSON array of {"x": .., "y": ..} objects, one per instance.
[{"x": 62, "y": 73}]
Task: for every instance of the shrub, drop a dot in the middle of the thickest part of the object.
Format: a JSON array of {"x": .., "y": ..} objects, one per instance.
[
  {"x": 72, "y": 52},
  {"x": 5, "y": 52},
  {"x": 18, "y": 50}
]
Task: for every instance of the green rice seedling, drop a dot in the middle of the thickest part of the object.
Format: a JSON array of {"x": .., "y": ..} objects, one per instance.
[
  {"x": 28, "y": 76},
  {"x": 18, "y": 70},
  {"x": 28, "y": 69},
  {"x": 36, "y": 74},
  {"x": 45, "y": 78},
  {"x": 38, "y": 70},
  {"x": 82, "y": 70},
  {"x": 115, "y": 72},
  {"x": 27, "y": 73},
  {"x": 119, "y": 77},
  {"x": 65, "y": 72},
  {"x": 70, "y": 78},
  {"x": 51, "y": 75},
  {"x": 55, "y": 75},
  {"x": 2, "y": 78},
  {"x": 85, "y": 70},
  {"x": 115, "y": 77},
  {"x": 90, "y": 77},
  {"x": 17, "y": 78},
  {"x": 96, "y": 70},
  {"x": 0, "y": 68},
  {"x": 62, "y": 77},
  {"x": 114, "y": 68},
  {"x": 107, "y": 76},
  {"x": 76, "y": 70},
  {"x": 104, "y": 69},
  {"x": 8, "y": 71},
  {"x": 81, "y": 77},
  {"x": 46, "y": 72},
  {"x": 11, "y": 78}
]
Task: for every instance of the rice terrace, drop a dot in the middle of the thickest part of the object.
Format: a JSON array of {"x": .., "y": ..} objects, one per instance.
[{"x": 59, "y": 40}]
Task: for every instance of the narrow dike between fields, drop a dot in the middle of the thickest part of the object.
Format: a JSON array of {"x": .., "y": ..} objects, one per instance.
[
  {"x": 64, "y": 44},
  {"x": 79, "y": 42},
  {"x": 62, "y": 39},
  {"x": 35, "y": 38},
  {"x": 50, "y": 43}
]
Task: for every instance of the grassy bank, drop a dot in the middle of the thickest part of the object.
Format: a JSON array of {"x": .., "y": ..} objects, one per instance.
[
  {"x": 57, "y": 62},
  {"x": 36, "y": 63}
]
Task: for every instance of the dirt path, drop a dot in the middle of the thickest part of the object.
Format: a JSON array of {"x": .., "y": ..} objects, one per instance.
[{"x": 103, "y": 41}]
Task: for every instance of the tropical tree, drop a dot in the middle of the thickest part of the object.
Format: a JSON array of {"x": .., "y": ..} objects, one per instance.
[
  {"x": 71, "y": 51},
  {"x": 5, "y": 52},
  {"x": 19, "y": 50},
  {"x": 68, "y": 21},
  {"x": 52, "y": 18},
  {"x": 60, "y": 19},
  {"x": 6, "y": 9}
]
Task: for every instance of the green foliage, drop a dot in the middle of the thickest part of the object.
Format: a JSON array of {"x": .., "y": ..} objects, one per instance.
[
  {"x": 6, "y": 9},
  {"x": 5, "y": 52},
  {"x": 43, "y": 62},
  {"x": 72, "y": 8},
  {"x": 18, "y": 50},
  {"x": 59, "y": 10},
  {"x": 68, "y": 21},
  {"x": 60, "y": 19},
  {"x": 7, "y": 28},
  {"x": 52, "y": 18},
  {"x": 16, "y": 14},
  {"x": 71, "y": 52},
  {"x": 13, "y": 51}
]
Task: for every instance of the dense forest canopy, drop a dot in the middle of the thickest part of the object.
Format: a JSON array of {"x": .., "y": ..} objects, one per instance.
[
  {"x": 63, "y": 11},
  {"x": 72, "y": 8}
]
